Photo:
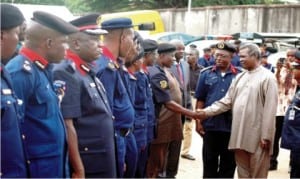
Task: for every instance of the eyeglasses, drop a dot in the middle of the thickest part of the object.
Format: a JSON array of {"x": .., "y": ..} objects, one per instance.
[{"x": 220, "y": 55}]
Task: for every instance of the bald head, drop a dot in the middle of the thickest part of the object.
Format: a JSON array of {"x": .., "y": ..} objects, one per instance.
[
  {"x": 37, "y": 34},
  {"x": 179, "y": 49}
]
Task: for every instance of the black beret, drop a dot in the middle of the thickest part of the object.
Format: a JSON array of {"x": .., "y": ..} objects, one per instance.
[
  {"x": 88, "y": 24},
  {"x": 165, "y": 48},
  {"x": 117, "y": 23},
  {"x": 11, "y": 16},
  {"x": 271, "y": 50},
  {"x": 149, "y": 45},
  {"x": 226, "y": 46},
  {"x": 53, "y": 22}
]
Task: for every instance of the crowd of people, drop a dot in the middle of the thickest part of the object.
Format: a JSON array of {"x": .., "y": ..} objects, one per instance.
[{"x": 73, "y": 105}]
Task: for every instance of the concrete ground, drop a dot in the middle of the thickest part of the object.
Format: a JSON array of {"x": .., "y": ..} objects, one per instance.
[{"x": 193, "y": 169}]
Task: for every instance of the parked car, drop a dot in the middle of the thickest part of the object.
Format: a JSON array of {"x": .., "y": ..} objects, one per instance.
[{"x": 168, "y": 36}]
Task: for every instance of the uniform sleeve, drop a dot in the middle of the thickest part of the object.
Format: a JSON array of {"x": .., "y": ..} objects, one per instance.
[
  {"x": 109, "y": 79},
  {"x": 160, "y": 88},
  {"x": 200, "y": 91},
  {"x": 270, "y": 107},
  {"x": 70, "y": 105},
  {"x": 23, "y": 86}
]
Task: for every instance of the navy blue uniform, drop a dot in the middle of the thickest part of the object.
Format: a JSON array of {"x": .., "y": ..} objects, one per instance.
[
  {"x": 86, "y": 103},
  {"x": 211, "y": 87},
  {"x": 43, "y": 127},
  {"x": 290, "y": 138},
  {"x": 12, "y": 154},
  {"x": 141, "y": 121},
  {"x": 120, "y": 102},
  {"x": 131, "y": 156},
  {"x": 206, "y": 63}
]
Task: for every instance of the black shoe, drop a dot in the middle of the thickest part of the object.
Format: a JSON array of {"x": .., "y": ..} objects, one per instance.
[
  {"x": 273, "y": 167},
  {"x": 188, "y": 156}
]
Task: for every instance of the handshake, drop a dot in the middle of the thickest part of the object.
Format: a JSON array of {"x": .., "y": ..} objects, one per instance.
[{"x": 198, "y": 115}]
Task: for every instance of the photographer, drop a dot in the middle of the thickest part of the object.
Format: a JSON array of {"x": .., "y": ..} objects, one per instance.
[{"x": 286, "y": 90}]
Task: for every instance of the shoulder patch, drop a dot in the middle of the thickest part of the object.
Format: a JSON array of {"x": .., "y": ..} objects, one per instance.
[{"x": 163, "y": 84}]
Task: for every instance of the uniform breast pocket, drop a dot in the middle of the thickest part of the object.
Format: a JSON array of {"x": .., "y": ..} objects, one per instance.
[
  {"x": 210, "y": 81},
  {"x": 8, "y": 112},
  {"x": 46, "y": 100}
]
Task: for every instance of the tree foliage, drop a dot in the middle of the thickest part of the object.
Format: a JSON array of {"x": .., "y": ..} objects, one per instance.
[{"x": 107, "y": 6}]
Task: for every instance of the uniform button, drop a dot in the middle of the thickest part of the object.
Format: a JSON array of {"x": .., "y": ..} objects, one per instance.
[
  {"x": 0, "y": 173},
  {"x": 8, "y": 102},
  {"x": 223, "y": 80},
  {"x": 113, "y": 117},
  {"x": 23, "y": 136},
  {"x": 86, "y": 149},
  {"x": 28, "y": 161},
  {"x": 222, "y": 90},
  {"x": 105, "y": 101}
]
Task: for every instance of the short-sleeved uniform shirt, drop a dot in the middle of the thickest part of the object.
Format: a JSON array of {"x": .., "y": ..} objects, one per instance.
[
  {"x": 43, "y": 126},
  {"x": 86, "y": 103},
  {"x": 165, "y": 89},
  {"x": 211, "y": 87}
]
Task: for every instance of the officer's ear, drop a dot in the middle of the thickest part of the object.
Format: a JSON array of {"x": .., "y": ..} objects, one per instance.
[{"x": 49, "y": 43}]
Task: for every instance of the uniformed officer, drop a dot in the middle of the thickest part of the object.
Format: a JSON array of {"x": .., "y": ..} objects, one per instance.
[
  {"x": 12, "y": 154},
  {"x": 212, "y": 85},
  {"x": 141, "y": 108},
  {"x": 168, "y": 109},
  {"x": 150, "y": 56},
  {"x": 42, "y": 129},
  {"x": 85, "y": 106},
  {"x": 290, "y": 138},
  {"x": 119, "y": 47}
]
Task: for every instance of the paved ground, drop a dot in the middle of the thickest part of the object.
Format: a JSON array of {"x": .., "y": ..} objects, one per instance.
[{"x": 193, "y": 169}]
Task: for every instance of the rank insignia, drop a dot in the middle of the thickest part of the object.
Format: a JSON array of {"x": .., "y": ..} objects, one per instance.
[
  {"x": 163, "y": 84},
  {"x": 111, "y": 65}
]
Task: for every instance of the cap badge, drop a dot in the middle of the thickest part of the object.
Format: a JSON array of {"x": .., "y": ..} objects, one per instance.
[{"x": 221, "y": 45}]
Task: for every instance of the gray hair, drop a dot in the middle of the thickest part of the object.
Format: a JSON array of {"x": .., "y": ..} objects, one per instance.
[{"x": 253, "y": 50}]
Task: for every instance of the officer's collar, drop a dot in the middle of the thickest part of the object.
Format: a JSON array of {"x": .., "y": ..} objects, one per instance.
[
  {"x": 108, "y": 53},
  {"x": 34, "y": 57},
  {"x": 232, "y": 69},
  {"x": 144, "y": 68},
  {"x": 81, "y": 65}
]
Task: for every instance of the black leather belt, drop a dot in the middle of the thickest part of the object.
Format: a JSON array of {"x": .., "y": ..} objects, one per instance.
[{"x": 124, "y": 131}]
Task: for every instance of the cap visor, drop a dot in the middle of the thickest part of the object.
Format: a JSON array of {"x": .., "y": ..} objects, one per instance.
[{"x": 95, "y": 31}]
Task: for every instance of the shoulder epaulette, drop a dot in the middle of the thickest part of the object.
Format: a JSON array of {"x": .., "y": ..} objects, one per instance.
[{"x": 205, "y": 69}]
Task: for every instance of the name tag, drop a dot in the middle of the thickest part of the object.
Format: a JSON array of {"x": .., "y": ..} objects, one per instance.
[
  {"x": 292, "y": 114},
  {"x": 6, "y": 91}
]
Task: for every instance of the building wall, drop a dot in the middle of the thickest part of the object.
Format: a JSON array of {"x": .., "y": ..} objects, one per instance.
[{"x": 233, "y": 19}]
